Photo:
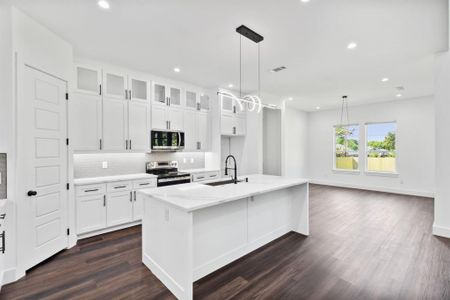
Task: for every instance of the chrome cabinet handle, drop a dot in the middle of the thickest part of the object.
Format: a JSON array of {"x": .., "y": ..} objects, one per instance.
[
  {"x": 134, "y": 196},
  {"x": 131, "y": 196},
  {"x": 92, "y": 190},
  {"x": 120, "y": 186},
  {"x": 104, "y": 200}
]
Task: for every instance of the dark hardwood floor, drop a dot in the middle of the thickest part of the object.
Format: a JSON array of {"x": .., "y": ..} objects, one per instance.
[{"x": 363, "y": 245}]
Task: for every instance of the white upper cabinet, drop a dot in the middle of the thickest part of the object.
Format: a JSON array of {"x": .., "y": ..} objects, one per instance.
[
  {"x": 190, "y": 100},
  {"x": 88, "y": 79},
  {"x": 227, "y": 105},
  {"x": 159, "y": 117},
  {"x": 203, "y": 129},
  {"x": 138, "y": 126},
  {"x": 114, "y": 84},
  {"x": 175, "y": 118},
  {"x": 115, "y": 124},
  {"x": 160, "y": 94},
  {"x": 138, "y": 89},
  {"x": 85, "y": 117},
  {"x": 175, "y": 97},
  {"x": 190, "y": 130},
  {"x": 204, "y": 102}
]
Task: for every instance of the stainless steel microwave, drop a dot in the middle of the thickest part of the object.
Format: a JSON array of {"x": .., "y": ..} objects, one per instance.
[{"x": 164, "y": 140}]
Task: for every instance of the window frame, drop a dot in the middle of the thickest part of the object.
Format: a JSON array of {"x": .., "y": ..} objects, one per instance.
[
  {"x": 346, "y": 171},
  {"x": 366, "y": 142}
]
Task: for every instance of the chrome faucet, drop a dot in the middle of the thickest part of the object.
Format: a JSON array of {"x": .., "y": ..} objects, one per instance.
[{"x": 235, "y": 167}]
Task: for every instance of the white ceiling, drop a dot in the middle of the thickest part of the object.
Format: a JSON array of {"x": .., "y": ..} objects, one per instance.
[{"x": 396, "y": 39}]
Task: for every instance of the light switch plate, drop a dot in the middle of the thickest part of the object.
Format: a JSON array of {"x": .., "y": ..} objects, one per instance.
[{"x": 105, "y": 165}]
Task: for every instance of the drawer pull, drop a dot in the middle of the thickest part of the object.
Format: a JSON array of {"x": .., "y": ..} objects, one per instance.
[
  {"x": 141, "y": 184},
  {"x": 200, "y": 177},
  {"x": 120, "y": 187},
  {"x": 93, "y": 190},
  {"x": 215, "y": 175}
]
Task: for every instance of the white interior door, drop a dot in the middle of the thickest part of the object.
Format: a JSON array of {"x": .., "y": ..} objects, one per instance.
[{"x": 42, "y": 167}]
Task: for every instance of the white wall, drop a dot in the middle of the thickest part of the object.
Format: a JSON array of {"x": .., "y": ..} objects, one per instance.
[
  {"x": 7, "y": 260},
  {"x": 294, "y": 160},
  {"x": 415, "y": 146},
  {"x": 441, "y": 224},
  {"x": 271, "y": 141}
]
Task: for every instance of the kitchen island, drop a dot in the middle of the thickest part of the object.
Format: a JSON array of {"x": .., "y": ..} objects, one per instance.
[{"x": 191, "y": 230}]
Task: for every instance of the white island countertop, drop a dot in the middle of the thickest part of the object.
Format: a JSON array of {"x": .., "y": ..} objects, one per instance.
[{"x": 194, "y": 196}]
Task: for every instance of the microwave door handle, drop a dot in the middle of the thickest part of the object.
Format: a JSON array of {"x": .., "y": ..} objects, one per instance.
[{"x": 179, "y": 139}]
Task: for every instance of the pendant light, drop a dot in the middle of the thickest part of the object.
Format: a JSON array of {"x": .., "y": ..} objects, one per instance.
[
  {"x": 253, "y": 101},
  {"x": 344, "y": 111}
]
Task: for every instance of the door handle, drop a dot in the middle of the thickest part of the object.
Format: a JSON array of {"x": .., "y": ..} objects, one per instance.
[
  {"x": 131, "y": 196},
  {"x": 31, "y": 193}
]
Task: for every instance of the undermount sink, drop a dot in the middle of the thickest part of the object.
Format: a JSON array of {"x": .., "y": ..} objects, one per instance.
[{"x": 221, "y": 182}]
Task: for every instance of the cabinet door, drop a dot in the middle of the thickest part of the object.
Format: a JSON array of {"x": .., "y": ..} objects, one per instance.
[
  {"x": 88, "y": 79},
  {"x": 175, "y": 117},
  {"x": 190, "y": 100},
  {"x": 203, "y": 131},
  {"x": 91, "y": 213},
  {"x": 115, "y": 84},
  {"x": 139, "y": 88},
  {"x": 114, "y": 124},
  {"x": 227, "y": 105},
  {"x": 204, "y": 102},
  {"x": 240, "y": 124},
  {"x": 139, "y": 125},
  {"x": 159, "y": 117},
  {"x": 239, "y": 109},
  {"x": 138, "y": 206},
  {"x": 119, "y": 208},
  {"x": 190, "y": 130},
  {"x": 85, "y": 115},
  {"x": 175, "y": 97},
  {"x": 160, "y": 94},
  {"x": 227, "y": 123}
]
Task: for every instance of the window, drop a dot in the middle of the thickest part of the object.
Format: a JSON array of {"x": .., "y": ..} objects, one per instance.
[
  {"x": 346, "y": 147},
  {"x": 381, "y": 147}
]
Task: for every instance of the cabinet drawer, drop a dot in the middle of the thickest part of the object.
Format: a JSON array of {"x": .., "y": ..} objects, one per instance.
[
  {"x": 144, "y": 183},
  {"x": 90, "y": 190},
  {"x": 119, "y": 186},
  {"x": 212, "y": 175},
  {"x": 199, "y": 177}
]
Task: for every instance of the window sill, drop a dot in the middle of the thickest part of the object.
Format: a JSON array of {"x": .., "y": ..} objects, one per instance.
[
  {"x": 342, "y": 171},
  {"x": 383, "y": 174}
]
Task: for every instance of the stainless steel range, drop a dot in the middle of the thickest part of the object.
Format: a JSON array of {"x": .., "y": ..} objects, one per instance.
[{"x": 167, "y": 172}]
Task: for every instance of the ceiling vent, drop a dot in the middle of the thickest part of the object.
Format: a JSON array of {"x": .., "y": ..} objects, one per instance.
[
  {"x": 278, "y": 69},
  {"x": 400, "y": 88}
]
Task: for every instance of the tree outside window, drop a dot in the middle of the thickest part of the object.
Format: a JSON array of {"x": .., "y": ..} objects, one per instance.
[
  {"x": 381, "y": 147},
  {"x": 346, "y": 147}
]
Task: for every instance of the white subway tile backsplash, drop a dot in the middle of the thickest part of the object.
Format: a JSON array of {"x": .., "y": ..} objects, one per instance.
[{"x": 92, "y": 165}]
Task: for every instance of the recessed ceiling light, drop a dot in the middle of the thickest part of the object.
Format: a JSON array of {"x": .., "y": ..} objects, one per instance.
[
  {"x": 385, "y": 79},
  {"x": 176, "y": 70},
  {"x": 398, "y": 95},
  {"x": 317, "y": 107},
  {"x": 352, "y": 45},
  {"x": 305, "y": 1},
  {"x": 230, "y": 85},
  {"x": 290, "y": 98},
  {"x": 103, "y": 4}
]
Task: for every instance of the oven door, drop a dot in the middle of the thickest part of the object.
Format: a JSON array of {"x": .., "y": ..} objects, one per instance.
[
  {"x": 167, "y": 140},
  {"x": 174, "y": 180}
]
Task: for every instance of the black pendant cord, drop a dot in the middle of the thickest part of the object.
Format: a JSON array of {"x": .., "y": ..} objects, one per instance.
[
  {"x": 259, "y": 72},
  {"x": 240, "y": 67}
]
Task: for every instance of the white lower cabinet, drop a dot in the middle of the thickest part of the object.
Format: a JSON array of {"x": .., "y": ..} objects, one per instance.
[
  {"x": 119, "y": 208},
  {"x": 91, "y": 213},
  {"x": 105, "y": 205}
]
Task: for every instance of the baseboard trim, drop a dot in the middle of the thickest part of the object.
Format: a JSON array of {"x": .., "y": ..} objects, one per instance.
[
  {"x": 441, "y": 231},
  {"x": 10, "y": 275},
  {"x": 108, "y": 229},
  {"x": 419, "y": 193}
]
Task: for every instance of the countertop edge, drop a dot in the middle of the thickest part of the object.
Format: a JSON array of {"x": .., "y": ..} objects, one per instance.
[
  {"x": 229, "y": 199},
  {"x": 114, "y": 178}
]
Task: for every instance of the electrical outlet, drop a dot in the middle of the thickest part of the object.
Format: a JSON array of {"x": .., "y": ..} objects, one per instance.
[
  {"x": 192, "y": 160},
  {"x": 105, "y": 165},
  {"x": 184, "y": 160}
]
